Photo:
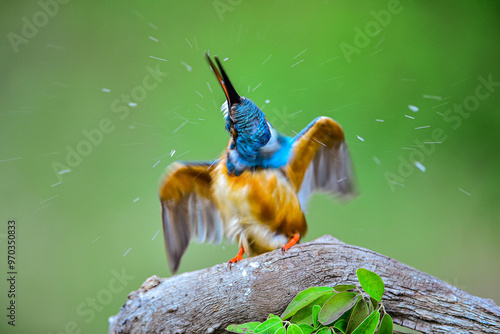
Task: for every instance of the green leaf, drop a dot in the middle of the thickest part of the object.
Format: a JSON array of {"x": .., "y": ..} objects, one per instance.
[
  {"x": 304, "y": 315},
  {"x": 341, "y": 325},
  {"x": 272, "y": 322},
  {"x": 344, "y": 287},
  {"x": 336, "y": 306},
  {"x": 346, "y": 316},
  {"x": 294, "y": 329},
  {"x": 373, "y": 305},
  {"x": 275, "y": 328},
  {"x": 359, "y": 313},
  {"x": 281, "y": 330},
  {"x": 307, "y": 329},
  {"x": 248, "y": 327},
  {"x": 385, "y": 325},
  {"x": 369, "y": 325},
  {"x": 371, "y": 283},
  {"x": 304, "y": 298},
  {"x": 324, "y": 330},
  {"x": 315, "y": 313}
]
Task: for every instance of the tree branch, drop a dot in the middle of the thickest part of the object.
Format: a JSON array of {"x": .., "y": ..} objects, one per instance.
[{"x": 208, "y": 300}]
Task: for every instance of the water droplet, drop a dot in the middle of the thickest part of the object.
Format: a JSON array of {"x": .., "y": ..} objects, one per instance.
[
  {"x": 420, "y": 166},
  {"x": 157, "y": 58},
  {"x": 465, "y": 192},
  {"x": 413, "y": 108},
  {"x": 128, "y": 250},
  {"x": 189, "y": 68}
]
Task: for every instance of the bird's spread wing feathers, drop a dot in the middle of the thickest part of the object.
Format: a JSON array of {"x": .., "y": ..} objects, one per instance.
[
  {"x": 320, "y": 161},
  {"x": 188, "y": 209}
]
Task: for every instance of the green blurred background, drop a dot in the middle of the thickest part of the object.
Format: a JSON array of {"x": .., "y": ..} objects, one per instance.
[{"x": 79, "y": 228}]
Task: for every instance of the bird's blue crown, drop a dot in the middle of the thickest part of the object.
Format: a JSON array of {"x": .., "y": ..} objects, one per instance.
[{"x": 257, "y": 144}]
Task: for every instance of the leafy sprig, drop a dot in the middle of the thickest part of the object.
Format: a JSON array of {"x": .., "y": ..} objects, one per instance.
[{"x": 344, "y": 309}]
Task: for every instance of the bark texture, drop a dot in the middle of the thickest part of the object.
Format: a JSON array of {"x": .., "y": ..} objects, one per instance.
[{"x": 208, "y": 300}]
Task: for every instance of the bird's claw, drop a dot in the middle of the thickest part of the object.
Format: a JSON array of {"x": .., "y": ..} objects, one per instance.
[
  {"x": 284, "y": 249},
  {"x": 235, "y": 259},
  {"x": 290, "y": 243},
  {"x": 230, "y": 264}
]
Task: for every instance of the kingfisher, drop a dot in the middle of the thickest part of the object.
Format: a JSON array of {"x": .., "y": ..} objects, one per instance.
[{"x": 257, "y": 191}]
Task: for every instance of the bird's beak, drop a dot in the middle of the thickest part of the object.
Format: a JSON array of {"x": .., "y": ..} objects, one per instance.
[{"x": 231, "y": 95}]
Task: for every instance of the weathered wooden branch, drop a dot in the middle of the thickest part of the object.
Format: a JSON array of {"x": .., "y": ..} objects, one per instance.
[{"x": 208, "y": 300}]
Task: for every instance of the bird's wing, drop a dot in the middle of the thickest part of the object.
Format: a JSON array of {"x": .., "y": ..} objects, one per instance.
[
  {"x": 188, "y": 209},
  {"x": 320, "y": 161}
]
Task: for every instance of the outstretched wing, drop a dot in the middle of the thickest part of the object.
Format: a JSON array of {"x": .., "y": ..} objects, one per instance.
[
  {"x": 320, "y": 161},
  {"x": 188, "y": 209}
]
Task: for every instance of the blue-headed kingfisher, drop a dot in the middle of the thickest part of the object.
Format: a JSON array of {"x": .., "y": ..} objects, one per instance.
[{"x": 258, "y": 190}]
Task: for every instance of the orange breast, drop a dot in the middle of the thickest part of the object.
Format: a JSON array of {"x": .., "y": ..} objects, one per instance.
[{"x": 259, "y": 208}]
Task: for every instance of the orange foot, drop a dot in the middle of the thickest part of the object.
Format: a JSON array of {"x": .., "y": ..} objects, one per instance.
[
  {"x": 237, "y": 258},
  {"x": 292, "y": 242}
]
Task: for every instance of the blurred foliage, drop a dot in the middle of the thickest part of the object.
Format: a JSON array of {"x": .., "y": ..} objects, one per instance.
[{"x": 76, "y": 67}]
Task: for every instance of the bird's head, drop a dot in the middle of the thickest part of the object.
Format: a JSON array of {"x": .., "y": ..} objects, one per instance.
[{"x": 247, "y": 124}]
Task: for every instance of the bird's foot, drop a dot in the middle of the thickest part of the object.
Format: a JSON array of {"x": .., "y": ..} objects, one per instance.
[
  {"x": 292, "y": 242},
  {"x": 237, "y": 258}
]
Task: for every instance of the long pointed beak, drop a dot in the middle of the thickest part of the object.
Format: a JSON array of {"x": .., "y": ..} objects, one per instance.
[{"x": 231, "y": 95}]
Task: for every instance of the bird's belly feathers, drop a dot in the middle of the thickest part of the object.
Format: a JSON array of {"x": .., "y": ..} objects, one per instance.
[{"x": 259, "y": 208}]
